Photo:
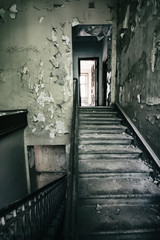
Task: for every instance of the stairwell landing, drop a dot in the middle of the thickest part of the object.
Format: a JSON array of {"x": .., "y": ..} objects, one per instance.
[{"x": 117, "y": 198}]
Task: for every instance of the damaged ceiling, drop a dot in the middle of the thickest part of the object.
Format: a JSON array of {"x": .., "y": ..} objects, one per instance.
[{"x": 97, "y": 32}]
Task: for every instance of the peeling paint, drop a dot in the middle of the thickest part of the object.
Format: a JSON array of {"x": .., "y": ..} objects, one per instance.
[
  {"x": 52, "y": 133},
  {"x": 66, "y": 39},
  {"x": 13, "y": 11},
  {"x": 43, "y": 98},
  {"x": 40, "y": 20},
  {"x": 40, "y": 118},
  {"x": 75, "y": 22},
  {"x": 52, "y": 111},
  {"x": 54, "y": 37},
  {"x": 60, "y": 127},
  {"x": 139, "y": 98},
  {"x": 126, "y": 20}
]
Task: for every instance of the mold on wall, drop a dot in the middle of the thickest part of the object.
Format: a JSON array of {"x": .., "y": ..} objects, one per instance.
[{"x": 138, "y": 66}]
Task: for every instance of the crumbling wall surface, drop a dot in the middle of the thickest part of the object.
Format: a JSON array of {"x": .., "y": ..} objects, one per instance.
[
  {"x": 138, "y": 82},
  {"x": 36, "y": 61}
]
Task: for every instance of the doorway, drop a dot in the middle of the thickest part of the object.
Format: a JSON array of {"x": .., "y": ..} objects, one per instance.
[
  {"x": 88, "y": 76},
  {"x": 94, "y": 42}
]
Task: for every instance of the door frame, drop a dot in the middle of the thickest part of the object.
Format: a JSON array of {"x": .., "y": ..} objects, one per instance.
[{"x": 96, "y": 59}]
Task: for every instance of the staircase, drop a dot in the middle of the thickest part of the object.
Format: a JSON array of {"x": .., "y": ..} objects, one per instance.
[{"x": 117, "y": 198}]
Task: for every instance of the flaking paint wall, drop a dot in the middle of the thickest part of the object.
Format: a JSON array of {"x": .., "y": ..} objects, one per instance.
[
  {"x": 36, "y": 61},
  {"x": 138, "y": 81}
]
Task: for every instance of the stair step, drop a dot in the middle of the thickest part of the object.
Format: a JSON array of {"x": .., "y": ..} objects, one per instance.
[
  {"x": 101, "y": 119},
  {"x": 110, "y": 149},
  {"x": 115, "y": 130},
  {"x": 112, "y": 165},
  {"x": 106, "y": 156},
  {"x": 118, "y": 219},
  {"x": 104, "y": 136},
  {"x": 96, "y": 109},
  {"x": 105, "y": 127},
  {"x": 139, "y": 234},
  {"x": 102, "y": 139},
  {"x": 106, "y": 142},
  {"x": 97, "y": 115},
  {"x": 100, "y": 122},
  {"x": 96, "y": 185}
]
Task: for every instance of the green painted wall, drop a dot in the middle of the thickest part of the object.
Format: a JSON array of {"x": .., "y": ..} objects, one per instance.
[
  {"x": 138, "y": 82},
  {"x": 36, "y": 61}
]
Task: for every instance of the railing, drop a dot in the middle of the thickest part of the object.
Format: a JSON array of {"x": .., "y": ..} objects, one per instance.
[
  {"x": 71, "y": 208},
  {"x": 29, "y": 218}
]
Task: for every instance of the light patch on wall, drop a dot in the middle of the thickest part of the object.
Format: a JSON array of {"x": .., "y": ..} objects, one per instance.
[
  {"x": 40, "y": 20},
  {"x": 126, "y": 19},
  {"x": 60, "y": 128},
  {"x": 39, "y": 118},
  {"x": 13, "y": 11},
  {"x": 36, "y": 88},
  {"x": 75, "y": 22},
  {"x": 52, "y": 111},
  {"x": 66, "y": 39},
  {"x": 33, "y": 130},
  {"x": 52, "y": 133},
  {"x": 139, "y": 98},
  {"x": 153, "y": 101},
  {"x": 54, "y": 37},
  {"x": 44, "y": 98}
]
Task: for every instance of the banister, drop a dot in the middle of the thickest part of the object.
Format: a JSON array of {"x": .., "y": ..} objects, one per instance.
[
  {"x": 139, "y": 135},
  {"x": 70, "y": 226},
  {"x": 29, "y": 218}
]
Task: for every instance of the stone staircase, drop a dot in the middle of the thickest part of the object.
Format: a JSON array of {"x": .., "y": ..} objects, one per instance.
[{"x": 117, "y": 198}]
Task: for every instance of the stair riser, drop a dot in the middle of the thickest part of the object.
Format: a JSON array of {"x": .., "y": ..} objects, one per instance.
[
  {"x": 107, "y": 131},
  {"x": 94, "y": 124},
  {"x": 105, "y": 142},
  {"x": 106, "y": 156},
  {"x": 111, "y": 166}
]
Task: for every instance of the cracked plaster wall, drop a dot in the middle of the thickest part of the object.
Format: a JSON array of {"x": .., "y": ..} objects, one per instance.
[
  {"x": 36, "y": 61},
  {"x": 138, "y": 82}
]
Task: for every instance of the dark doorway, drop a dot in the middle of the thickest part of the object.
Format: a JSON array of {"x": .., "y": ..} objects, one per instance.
[{"x": 88, "y": 76}]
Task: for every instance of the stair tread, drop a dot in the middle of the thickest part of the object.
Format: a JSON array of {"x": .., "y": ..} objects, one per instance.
[
  {"x": 116, "y": 184},
  {"x": 111, "y": 218},
  {"x": 105, "y": 136},
  {"x": 99, "y": 119},
  {"x": 106, "y": 156},
  {"x": 107, "y": 149},
  {"x": 94, "y": 165}
]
